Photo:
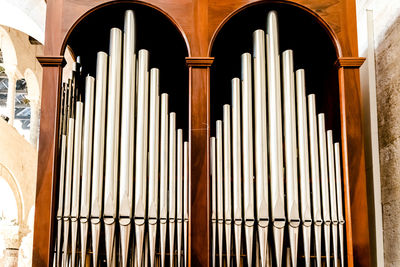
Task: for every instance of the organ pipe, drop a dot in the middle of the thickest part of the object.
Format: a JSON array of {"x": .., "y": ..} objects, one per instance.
[
  {"x": 122, "y": 161},
  {"x": 283, "y": 158}
]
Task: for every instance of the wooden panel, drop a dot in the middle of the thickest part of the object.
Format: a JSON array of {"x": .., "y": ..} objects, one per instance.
[
  {"x": 47, "y": 166},
  {"x": 199, "y": 21},
  {"x": 199, "y": 186},
  {"x": 354, "y": 168}
]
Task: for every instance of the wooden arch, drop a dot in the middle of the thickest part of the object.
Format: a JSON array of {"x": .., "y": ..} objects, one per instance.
[
  {"x": 325, "y": 25},
  {"x": 199, "y": 21}
]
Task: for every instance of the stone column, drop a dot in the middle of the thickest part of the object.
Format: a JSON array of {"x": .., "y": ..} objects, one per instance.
[
  {"x": 12, "y": 82},
  {"x": 35, "y": 115}
]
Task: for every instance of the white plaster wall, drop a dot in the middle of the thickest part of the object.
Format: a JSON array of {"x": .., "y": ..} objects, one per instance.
[{"x": 28, "y": 16}]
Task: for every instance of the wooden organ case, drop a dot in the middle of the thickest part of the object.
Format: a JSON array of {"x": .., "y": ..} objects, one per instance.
[{"x": 204, "y": 41}]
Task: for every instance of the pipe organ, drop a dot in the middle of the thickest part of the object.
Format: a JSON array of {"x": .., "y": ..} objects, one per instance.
[
  {"x": 124, "y": 164},
  {"x": 201, "y": 133},
  {"x": 283, "y": 140}
]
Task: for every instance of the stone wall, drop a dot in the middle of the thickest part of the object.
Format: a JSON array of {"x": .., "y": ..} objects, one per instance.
[{"x": 388, "y": 101}]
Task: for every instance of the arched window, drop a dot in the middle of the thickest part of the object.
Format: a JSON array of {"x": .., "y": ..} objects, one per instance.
[
  {"x": 3, "y": 91},
  {"x": 22, "y": 108}
]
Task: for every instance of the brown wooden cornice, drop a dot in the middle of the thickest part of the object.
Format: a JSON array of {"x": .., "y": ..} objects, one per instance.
[
  {"x": 51, "y": 61},
  {"x": 349, "y": 62},
  {"x": 199, "y": 62}
]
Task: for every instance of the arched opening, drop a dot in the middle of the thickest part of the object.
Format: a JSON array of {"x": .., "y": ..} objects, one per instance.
[
  {"x": 299, "y": 30},
  {"x": 155, "y": 32},
  {"x": 314, "y": 50}
]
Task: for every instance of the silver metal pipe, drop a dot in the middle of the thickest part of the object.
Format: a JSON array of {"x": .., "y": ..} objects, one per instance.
[
  {"x": 179, "y": 192},
  {"x": 172, "y": 184},
  {"x": 96, "y": 207},
  {"x": 332, "y": 193},
  {"x": 112, "y": 144},
  {"x": 237, "y": 166},
  {"x": 141, "y": 151},
  {"x": 76, "y": 182},
  {"x": 247, "y": 143},
  {"x": 63, "y": 146},
  {"x": 185, "y": 200},
  {"x": 315, "y": 177},
  {"x": 153, "y": 161},
  {"x": 127, "y": 134},
  {"x": 339, "y": 202},
  {"x": 275, "y": 134},
  {"x": 213, "y": 174},
  {"x": 260, "y": 141},
  {"x": 61, "y": 198},
  {"x": 86, "y": 165},
  {"x": 163, "y": 175},
  {"x": 227, "y": 181},
  {"x": 324, "y": 185},
  {"x": 220, "y": 189},
  {"x": 68, "y": 189},
  {"x": 304, "y": 166},
  {"x": 292, "y": 187}
]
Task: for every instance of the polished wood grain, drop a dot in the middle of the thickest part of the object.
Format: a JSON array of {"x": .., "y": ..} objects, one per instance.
[
  {"x": 199, "y": 22},
  {"x": 47, "y": 166},
  {"x": 353, "y": 158},
  {"x": 350, "y": 62}
]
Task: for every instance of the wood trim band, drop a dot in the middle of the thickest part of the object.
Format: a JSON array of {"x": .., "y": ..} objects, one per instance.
[
  {"x": 349, "y": 62},
  {"x": 51, "y": 61},
  {"x": 199, "y": 62}
]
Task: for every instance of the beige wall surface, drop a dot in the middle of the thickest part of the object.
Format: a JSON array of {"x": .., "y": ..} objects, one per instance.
[
  {"x": 388, "y": 101},
  {"x": 20, "y": 158},
  {"x": 379, "y": 41}
]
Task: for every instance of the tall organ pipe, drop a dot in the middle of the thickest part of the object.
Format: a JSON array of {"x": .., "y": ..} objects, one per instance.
[
  {"x": 179, "y": 192},
  {"x": 172, "y": 184},
  {"x": 324, "y": 185},
  {"x": 248, "y": 189},
  {"x": 112, "y": 144},
  {"x": 275, "y": 135},
  {"x": 213, "y": 174},
  {"x": 185, "y": 200},
  {"x": 153, "y": 162},
  {"x": 332, "y": 194},
  {"x": 292, "y": 197},
  {"x": 220, "y": 189},
  {"x": 76, "y": 182},
  {"x": 340, "y": 202},
  {"x": 236, "y": 166},
  {"x": 141, "y": 151},
  {"x": 227, "y": 181},
  {"x": 304, "y": 167},
  {"x": 60, "y": 208},
  {"x": 127, "y": 134},
  {"x": 163, "y": 175},
  {"x": 315, "y": 176},
  {"x": 260, "y": 141},
  {"x": 98, "y": 152},
  {"x": 68, "y": 178},
  {"x": 86, "y": 165}
]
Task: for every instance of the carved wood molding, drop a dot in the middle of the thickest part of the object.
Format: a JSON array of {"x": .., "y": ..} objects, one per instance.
[
  {"x": 199, "y": 62},
  {"x": 51, "y": 61},
  {"x": 349, "y": 62}
]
